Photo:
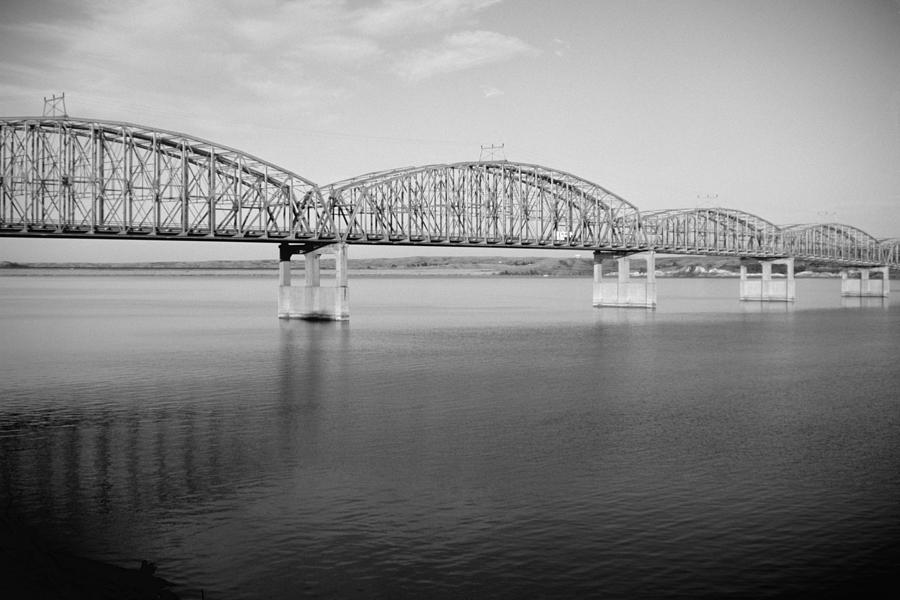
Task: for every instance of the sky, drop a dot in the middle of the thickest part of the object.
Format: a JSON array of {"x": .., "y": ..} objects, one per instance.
[{"x": 787, "y": 109}]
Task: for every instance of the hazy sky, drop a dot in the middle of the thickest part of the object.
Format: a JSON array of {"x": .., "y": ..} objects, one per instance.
[{"x": 789, "y": 109}]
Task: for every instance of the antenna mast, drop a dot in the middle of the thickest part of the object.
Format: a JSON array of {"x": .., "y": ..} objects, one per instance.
[
  {"x": 55, "y": 106},
  {"x": 493, "y": 152}
]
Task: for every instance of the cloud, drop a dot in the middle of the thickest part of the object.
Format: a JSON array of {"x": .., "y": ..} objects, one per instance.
[
  {"x": 459, "y": 51},
  {"x": 276, "y": 58},
  {"x": 271, "y": 56},
  {"x": 415, "y": 16}
]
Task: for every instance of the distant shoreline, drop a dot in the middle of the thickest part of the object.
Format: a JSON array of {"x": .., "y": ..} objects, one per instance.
[{"x": 447, "y": 266}]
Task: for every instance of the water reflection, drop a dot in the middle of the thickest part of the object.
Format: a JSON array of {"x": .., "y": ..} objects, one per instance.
[
  {"x": 65, "y": 464},
  {"x": 860, "y": 302},
  {"x": 311, "y": 353},
  {"x": 87, "y": 472},
  {"x": 767, "y": 308},
  {"x": 624, "y": 316},
  {"x": 311, "y": 361}
]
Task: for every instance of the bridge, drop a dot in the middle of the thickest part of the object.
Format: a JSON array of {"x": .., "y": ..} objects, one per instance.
[{"x": 63, "y": 177}]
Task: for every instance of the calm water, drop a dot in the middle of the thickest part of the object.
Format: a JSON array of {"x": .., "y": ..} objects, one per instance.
[{"x": 458, "y": 438}]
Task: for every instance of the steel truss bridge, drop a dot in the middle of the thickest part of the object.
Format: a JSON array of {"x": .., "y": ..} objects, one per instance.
[{"x": 75, "y": 178}]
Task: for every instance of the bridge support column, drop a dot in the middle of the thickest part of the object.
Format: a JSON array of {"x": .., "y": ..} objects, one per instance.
[
  {"x": 766, "y": 289},
  {"x": 624, "y": 292},
  {"x": 313, "y": 301},
  {"x": 865, "y": 287}
]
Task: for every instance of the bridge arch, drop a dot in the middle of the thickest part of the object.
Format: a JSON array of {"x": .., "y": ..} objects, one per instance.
[
  {"x": 833, "y": 242},
  {"x": 499, "y": 203},
  {"x": 711, "y": 231},
  {"x": 890, "y": 251},
  {"x": 61, "y": 176}
]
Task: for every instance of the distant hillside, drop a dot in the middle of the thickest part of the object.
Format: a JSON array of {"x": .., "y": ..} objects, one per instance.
[
  {"x": 549, "y": 266},
  {"x": 210, "y": 264}
]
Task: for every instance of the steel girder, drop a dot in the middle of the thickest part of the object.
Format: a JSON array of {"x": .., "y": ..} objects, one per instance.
[
  {"x": 833, "y": 242},
  {"x": 719, "y": 231},
  {"x": 486, "y": 202},
  {"x": 64, "y": 176}
]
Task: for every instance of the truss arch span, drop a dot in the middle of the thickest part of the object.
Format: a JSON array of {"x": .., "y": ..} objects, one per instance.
[
  {"x": 890, "y": 251},
  {"x": 719, "y": 231},
  {"x": 500, "y": 203},
  {"x": 833, "y": 242},
  {"x": 62, "y": 176}
]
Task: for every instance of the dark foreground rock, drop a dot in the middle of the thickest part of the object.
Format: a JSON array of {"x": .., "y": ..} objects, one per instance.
[{"x": 30, "y": 569}]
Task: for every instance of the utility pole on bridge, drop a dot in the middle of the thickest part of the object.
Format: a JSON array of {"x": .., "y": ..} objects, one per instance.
[
  {"x": 492, "y": 153},
  {"x": 55, "y": 106}
]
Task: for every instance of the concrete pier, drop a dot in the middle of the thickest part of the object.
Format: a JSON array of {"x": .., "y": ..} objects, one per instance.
[
  {"x": 865, "y": 286},
  {"x": 623, "y": 291},
  {"x": 767, "y": 289},
  {"x": 312, "y": 300}
]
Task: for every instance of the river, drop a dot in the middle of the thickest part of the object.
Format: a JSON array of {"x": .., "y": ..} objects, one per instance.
[{"x": 458, "y": 437}]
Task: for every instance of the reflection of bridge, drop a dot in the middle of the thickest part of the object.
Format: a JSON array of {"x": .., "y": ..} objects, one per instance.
[{"x": 75, "y": 178}]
